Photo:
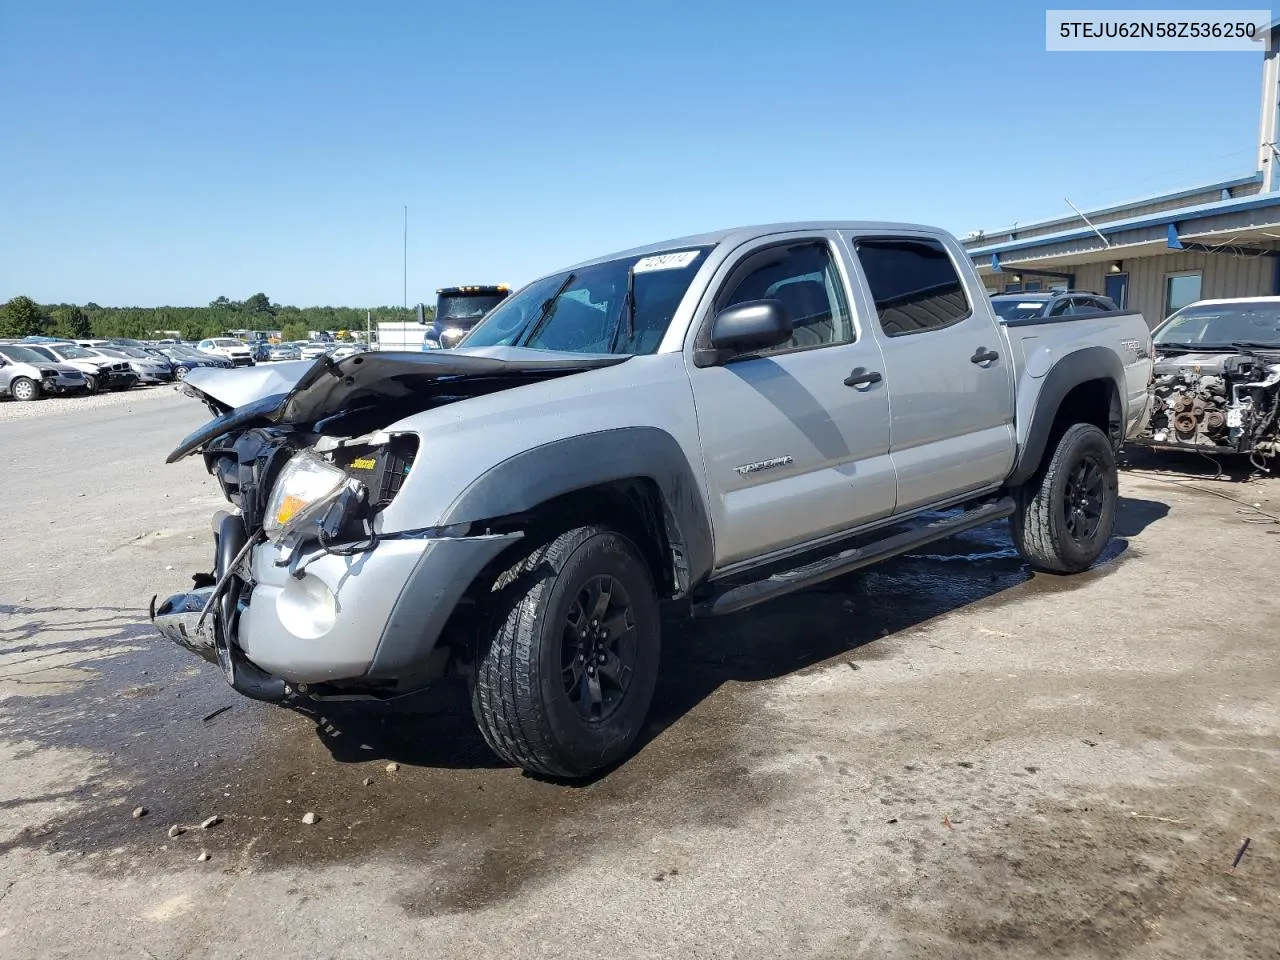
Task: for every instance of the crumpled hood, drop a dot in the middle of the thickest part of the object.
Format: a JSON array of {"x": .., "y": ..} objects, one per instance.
[
  {"x": 307, "y": 391},
  {"x": 236, "y": 386}
]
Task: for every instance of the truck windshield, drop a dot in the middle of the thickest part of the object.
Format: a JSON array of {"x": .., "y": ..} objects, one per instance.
[
  {"x": 586, "y": 310},
  {"x": 463, "y": 308},
  {"x": 1017, "y": 309},
  {"x": 1222, "y": 325}
]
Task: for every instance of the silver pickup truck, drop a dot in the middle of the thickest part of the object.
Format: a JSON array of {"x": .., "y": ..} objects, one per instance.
[{"x": 713, "y": 422}]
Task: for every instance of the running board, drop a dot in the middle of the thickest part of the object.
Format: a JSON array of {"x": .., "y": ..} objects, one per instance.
[{"x": 732, "y": 598}]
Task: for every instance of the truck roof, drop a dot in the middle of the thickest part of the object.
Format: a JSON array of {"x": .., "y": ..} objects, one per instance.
[
  {"x": 487, "y": 288},
  {"x": 743, "y": 234}
]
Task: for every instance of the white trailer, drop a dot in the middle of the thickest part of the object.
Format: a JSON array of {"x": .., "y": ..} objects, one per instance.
[{"x": 401, "y": 336}]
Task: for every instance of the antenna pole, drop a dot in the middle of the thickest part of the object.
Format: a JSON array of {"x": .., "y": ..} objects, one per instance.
[
  {"x": 406, "y": 257},
  {"x": 1105, "y": 242}
]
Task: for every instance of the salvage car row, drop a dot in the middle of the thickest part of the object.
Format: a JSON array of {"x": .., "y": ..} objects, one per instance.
[{"x": 37, "y": 367}]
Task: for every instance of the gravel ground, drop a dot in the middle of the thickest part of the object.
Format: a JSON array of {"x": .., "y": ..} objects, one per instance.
[
  {"x": 944, "y": 756},
  {"x": 79, "y": 403}
]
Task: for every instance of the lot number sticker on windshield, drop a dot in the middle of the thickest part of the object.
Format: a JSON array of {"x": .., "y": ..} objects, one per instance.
[{"x": 666, "y": 261}]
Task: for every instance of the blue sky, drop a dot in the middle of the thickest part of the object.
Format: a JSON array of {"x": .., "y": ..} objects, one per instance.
[{"x": 167, "y": 153}]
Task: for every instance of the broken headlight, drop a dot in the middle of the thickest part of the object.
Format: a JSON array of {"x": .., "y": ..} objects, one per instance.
[{"x": 305, "y": 493}]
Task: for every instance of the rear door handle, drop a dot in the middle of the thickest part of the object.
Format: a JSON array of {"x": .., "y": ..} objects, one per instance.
[
  {"x": 984, "y": 355},
  {"x": 861, "y": 377}
]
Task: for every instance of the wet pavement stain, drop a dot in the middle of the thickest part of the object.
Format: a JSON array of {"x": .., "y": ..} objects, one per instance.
[{"x": 483, "y": 831}]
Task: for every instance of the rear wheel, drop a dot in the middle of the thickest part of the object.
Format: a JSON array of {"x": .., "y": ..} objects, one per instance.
[
  {"x": 24, "y": 388},
  {"x": 1066, "y": 514},
  {"x": 568, "y": 657},
  {"x": 180, "y": 373}
]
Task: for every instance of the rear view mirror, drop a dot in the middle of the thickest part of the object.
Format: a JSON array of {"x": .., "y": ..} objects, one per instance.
[{"x": 749, "y": 326}]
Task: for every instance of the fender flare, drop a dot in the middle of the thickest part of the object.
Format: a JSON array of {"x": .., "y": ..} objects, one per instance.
[
  {"x": 1067, "y": 373},
  {"x": 532, "y": 477}
]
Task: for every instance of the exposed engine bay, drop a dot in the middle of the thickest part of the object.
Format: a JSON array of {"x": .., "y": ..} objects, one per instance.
[
  {"x": 1216, "y": 402},
  {"x": 308, "y": 456}
]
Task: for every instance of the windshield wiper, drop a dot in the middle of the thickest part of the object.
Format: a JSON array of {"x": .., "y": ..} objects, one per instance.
[
  {"x": 1255, "y": 345},
  {"x": 548, "y": 308},
  {"x": 628, "y": 311},
  {"x": 1173, "y": 345}
]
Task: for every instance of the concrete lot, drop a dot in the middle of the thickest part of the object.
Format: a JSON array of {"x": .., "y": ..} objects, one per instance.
[{"x": 941, "y": 757}]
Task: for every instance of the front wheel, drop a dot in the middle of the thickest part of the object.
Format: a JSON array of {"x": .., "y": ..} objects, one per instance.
[
  {"x": 24, "y": 388},
  {"x": 90, "y": 384},
  {"x": 568, "y": 656},
  {"x": 1066, "y": 513},
  {"x": 180, "y": 373}
]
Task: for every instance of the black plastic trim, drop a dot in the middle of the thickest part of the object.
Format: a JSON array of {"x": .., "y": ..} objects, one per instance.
[
  {"x": 734, "y": 597},
  {"x": 442, "y": 576},
  {"x": 533, "y": 477},
  {"x": 1066, "y": 318},
  {"x": 1082, "y": 366}
]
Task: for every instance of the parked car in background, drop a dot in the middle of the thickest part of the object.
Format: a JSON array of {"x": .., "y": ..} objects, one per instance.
[
  {"x": 1055, "y": 303},
  {"x": 101, "y": 373},
  {"x": 260, "y": 350},
  {"x": 27, "y": 375},
  {"x": 1216, "y": 387},
  {"x": 343, "y": 350},
  {"x": 284, "y": 351},
  {"x": 313, "y": 349},
  {"x": 185, "y": 359},
  {"x": 237, "y": 351},
  {"x": 150, "y": 368}
]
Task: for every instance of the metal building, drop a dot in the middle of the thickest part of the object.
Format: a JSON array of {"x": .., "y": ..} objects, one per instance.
[{"x": 1158, "y": 253}]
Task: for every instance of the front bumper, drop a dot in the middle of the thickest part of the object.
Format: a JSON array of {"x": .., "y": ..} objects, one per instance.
[
  {"x": 367, "y": 621},
  {"x": 64, "y": 384}
]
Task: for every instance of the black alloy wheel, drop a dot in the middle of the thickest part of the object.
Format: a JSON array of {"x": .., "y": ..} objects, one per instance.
[{"x": 598, "y": 651}]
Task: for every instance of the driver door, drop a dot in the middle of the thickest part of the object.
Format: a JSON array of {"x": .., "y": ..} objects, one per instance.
[{"x": 795, "y": 447}]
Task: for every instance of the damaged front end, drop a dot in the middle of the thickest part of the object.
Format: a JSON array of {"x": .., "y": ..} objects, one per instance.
[
  {"x": 1225, "y": 402},
  {"x": 310, "y": 593}
]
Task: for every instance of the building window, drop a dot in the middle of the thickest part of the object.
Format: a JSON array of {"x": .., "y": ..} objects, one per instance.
[
  {"x": 1013, "y": 288},
  {"x": 1033, "y": 286},
  {"x": 1180, "y": 289},
  {"x": 1118, "y": 289}
]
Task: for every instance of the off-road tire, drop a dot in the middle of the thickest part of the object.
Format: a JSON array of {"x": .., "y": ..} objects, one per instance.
[
  {"x": 24, "y": 388},
  {"x": 518, "y": 688},
  {"x": 1043, "y": 523}
]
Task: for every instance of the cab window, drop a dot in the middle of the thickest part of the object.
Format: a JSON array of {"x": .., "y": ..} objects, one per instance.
[{"x": 804, "y": 278}]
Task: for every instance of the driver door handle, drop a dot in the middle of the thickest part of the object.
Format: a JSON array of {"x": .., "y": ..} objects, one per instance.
[
  {"x": 861, "y": 377},
  {"x": 983, "y": 355}
]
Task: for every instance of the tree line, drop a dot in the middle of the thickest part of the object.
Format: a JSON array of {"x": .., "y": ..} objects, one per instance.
[{"x": 23, "y": 317}]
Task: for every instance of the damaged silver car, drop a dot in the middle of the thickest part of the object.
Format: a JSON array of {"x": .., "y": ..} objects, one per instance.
[{"x": 1216, "y": 381}]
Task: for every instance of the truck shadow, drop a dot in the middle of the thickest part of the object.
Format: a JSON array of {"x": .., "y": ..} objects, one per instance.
[{"x": 844, "y": 618}]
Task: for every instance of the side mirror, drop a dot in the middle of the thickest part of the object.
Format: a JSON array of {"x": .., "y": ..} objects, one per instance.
[
  {"x": 749, "y": 326},
  {"x": 422, "y": 314}
]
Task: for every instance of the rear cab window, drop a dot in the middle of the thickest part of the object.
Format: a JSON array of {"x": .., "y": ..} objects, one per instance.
[{"x": 914, "y": 284}]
